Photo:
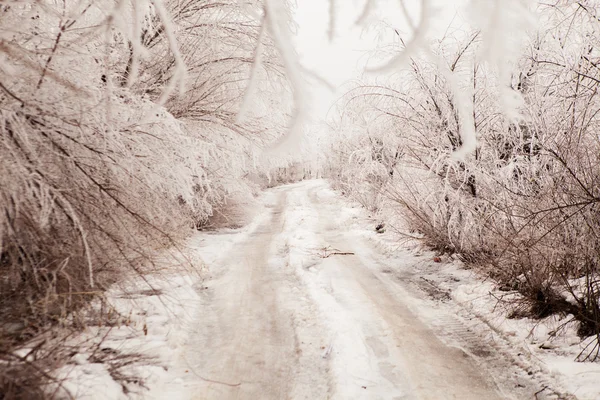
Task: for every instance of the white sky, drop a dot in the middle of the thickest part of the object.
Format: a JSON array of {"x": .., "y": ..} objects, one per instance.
[
  {"x": 337, "y": 60},
  {"x": 344, "y": 58}
]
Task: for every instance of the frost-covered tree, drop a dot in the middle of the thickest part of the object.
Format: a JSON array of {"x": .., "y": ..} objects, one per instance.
[
  {"x": 119, "y": 132},
  {"x": 523, "y": 201}
]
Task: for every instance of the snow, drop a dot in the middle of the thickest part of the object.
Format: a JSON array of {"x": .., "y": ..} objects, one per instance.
[
  {"x": 155, "y": 328},
  {"x": 549, "y": 346},
  {"x": 272, "y": 312},
  {"x": 160, "y": 310},
  {"x": 352, "y": 366}
]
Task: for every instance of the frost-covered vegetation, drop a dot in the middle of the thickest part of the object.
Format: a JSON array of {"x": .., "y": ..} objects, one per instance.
[
  {"x": 524, "y": 203},
  {"x": 120, "y": 132},
  {"x": 125, "y": 125}
]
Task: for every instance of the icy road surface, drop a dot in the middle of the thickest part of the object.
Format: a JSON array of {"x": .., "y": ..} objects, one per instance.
[{"x": 304, "y": 307}]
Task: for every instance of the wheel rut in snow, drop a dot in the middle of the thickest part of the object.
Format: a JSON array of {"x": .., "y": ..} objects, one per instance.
[
  {"x": 256, "y": 335},
  {"x": 407, "y": 347},
  {"x": 515, "y": 371},
  {"x": 244, "y": 345}
]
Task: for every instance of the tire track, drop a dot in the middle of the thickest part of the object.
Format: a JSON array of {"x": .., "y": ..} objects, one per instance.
[{"x": 515, "y": 371}]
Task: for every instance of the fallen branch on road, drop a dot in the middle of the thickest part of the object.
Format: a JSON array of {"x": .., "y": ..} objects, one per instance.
[
  {"x": 337, "y": 253},
  {"x": 328, "y": 252}
]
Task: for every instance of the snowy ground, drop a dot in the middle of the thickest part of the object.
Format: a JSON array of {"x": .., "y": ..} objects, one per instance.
[{"x": 307, "y": 302}]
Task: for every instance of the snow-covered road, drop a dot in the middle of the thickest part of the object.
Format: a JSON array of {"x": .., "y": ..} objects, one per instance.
[{"x": 303, "y": 307}]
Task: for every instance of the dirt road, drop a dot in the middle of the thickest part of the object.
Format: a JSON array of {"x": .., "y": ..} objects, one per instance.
[{"x": 303, "y": 308}]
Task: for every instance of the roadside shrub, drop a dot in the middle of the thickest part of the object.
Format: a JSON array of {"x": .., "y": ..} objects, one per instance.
[
  {"x": 101, "y": 166},
  {"x": 523, "y": 206}
]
